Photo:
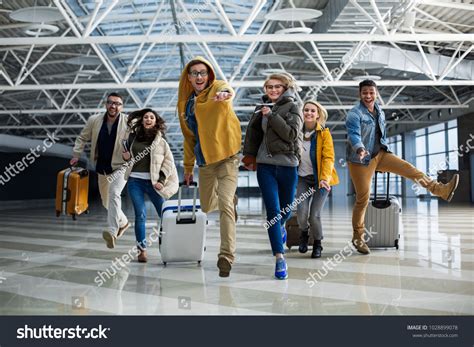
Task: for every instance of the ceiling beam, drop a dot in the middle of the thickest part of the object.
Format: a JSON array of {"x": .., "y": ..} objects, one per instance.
[
  {"x": 237, "y": 84},
  {"x": 236, "y": 108},
  {"x": 219, "y": 38}
]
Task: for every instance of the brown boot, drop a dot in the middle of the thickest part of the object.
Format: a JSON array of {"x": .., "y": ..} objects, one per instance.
[
  {"x": 359, "y": 243},
  {"x": 142, "y": 257},
  {"x": 446, "y": 191}
]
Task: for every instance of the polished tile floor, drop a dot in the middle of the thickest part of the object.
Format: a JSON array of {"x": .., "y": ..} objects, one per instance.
[{"x": 51, "y": 265}]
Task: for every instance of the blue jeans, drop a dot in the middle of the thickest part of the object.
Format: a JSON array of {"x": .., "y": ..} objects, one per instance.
[
  {"x": 278, "y": 186},
  {"x": 137, "y": 188}
]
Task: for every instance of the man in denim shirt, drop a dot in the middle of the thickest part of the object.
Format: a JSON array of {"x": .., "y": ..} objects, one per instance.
[{"x": 367, "y": 152}]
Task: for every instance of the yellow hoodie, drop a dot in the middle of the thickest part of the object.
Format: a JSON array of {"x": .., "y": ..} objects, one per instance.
[{"x": 219, "y": 130}]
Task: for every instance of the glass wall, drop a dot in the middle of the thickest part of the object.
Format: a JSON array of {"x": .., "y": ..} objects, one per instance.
[{"x": 436, "y": 149}]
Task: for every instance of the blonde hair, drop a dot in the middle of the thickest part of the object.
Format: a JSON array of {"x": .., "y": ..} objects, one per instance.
[
  {"x": 288, "y": 80},
  {"x": 323, "y": 114}
]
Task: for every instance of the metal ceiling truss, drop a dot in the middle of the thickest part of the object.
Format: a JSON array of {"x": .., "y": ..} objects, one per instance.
[{"x": 229, "y": 34}]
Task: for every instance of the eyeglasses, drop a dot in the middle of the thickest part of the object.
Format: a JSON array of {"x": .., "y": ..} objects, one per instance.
[
  {"x": 195, "y": 74},
  {"x": 276, "y": 86},
  {"x": 113, "y": 103}
]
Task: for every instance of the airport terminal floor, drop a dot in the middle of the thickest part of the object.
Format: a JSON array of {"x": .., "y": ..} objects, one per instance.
[{"x": 50, "y": 267}]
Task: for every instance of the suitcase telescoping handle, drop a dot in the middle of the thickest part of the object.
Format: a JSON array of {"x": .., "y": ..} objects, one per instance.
[
  {"x": 194, "y": 185},
  {"x": 381, "y": 203}
]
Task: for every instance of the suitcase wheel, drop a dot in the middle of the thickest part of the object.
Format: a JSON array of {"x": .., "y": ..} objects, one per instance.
[
  {"x": 289, "y": 248},
  {"x": 199, "y": 262},
  {"x": 86, "y": 211},
  {"x": 164, "y": 263},
  {"x": 396, "y": 244},
  {"x": 58, "y": 213},
  {"x": 205, "y": 248},
  {"x": 74, "y": 216}
]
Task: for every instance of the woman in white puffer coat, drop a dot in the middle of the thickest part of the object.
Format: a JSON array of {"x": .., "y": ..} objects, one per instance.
[{"x": 151, "y": 169}]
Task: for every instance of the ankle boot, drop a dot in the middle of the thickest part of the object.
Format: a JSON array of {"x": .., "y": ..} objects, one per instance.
[
  {"x": 304, "y": 237},
  {"x": 142, "y": 256},
  {"x": 359, "y": 243},
  {"x": 445, "y": 191},
  {"x": 317, "y": 249}
]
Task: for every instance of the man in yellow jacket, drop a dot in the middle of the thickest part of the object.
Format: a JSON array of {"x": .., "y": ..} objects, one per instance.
[{"x": 212, "y": 139}]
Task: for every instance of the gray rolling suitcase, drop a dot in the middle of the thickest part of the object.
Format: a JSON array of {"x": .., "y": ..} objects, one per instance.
[
  {"x": 183, "y": 229},
  {"x": 382, "y": 219}
]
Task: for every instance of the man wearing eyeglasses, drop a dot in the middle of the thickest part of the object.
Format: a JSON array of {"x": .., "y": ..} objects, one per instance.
[
  {"x": 212, "y": 140},
  {"x": 105, "y": 132}
]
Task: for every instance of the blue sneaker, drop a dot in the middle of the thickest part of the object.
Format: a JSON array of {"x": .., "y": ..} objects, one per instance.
[
  {"x": 281, "y": 269},
  {"x": 283, "y": 234}
]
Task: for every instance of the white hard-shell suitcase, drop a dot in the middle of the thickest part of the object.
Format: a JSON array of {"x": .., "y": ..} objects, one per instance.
[
  {"x": 183, "y": 229},
  {"x": 382, "y": 219}
]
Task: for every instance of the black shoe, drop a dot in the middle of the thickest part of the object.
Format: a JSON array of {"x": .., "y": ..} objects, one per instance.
[
  {"x": 317, "y": 249},
  {"x": 304, "y": 237}
]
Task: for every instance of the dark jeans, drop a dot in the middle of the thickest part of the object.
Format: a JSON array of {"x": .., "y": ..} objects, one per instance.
[
  {"x": 278, "y": 186},
  {"x": 137, "y": 188}
]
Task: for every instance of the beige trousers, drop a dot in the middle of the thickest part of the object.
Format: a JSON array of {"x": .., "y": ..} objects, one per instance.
[
  {"x": 361, "y": 176},
  {"x": 217, "y": 186},
  {"x": 110, "y": 188}
]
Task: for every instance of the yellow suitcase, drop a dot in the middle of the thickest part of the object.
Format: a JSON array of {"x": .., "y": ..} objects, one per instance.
[{"x": 72, "y": 191}]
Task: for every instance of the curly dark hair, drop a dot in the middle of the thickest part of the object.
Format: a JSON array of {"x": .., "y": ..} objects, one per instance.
[{"x": 135, "y": 123}]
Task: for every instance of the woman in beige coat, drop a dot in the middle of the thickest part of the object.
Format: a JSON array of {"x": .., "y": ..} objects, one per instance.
[{"x": 151, "y": 169}]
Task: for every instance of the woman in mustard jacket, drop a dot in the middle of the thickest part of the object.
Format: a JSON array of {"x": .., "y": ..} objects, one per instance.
[{"x": 316, "y": 170}]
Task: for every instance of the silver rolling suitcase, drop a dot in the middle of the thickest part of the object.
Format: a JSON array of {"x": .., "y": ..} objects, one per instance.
[
  {"x": 382, "y": 219},
  {"x": 183, "y": 229}
]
